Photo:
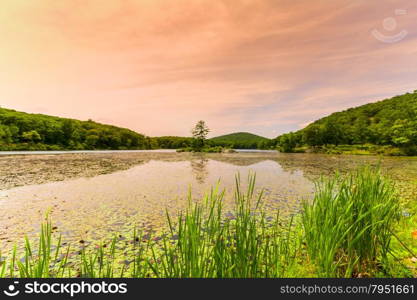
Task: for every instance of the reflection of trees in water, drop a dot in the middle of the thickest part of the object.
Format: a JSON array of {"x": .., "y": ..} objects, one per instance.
[
  {"x": 240, "y": 161},
  {"x": 311, "y": 165},
  {"x": 199, "y": 167}
]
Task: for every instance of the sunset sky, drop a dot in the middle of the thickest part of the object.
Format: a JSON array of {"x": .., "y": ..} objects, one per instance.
[{"x": 159, "y": 66}]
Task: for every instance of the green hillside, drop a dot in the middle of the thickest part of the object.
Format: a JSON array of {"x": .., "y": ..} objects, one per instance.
[
  {"x": 391, "y": 122},
  {"x": 24, "y": 131},
  {"x": 241, "y": 140},
  {"x": 384, "y": 127}
]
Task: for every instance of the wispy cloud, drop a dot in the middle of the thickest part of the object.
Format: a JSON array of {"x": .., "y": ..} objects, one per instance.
[{"x": 157, "y": 66}]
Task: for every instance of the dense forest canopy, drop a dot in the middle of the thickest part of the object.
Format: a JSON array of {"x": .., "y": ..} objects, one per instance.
[
  {"x": 23, "y": 131},
  {"x": 389, "y": 122},
  {"x": 171, "y": 142},
  {"x": 241, "y": 140}
]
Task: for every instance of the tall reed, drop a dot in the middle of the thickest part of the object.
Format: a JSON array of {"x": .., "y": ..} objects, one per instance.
[
  {"x": 206, "y": 243},
  {"x": 348, "y": 226}
]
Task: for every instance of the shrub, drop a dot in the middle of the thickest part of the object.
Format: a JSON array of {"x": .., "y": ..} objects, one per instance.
[{"x": 348, "y": 226}]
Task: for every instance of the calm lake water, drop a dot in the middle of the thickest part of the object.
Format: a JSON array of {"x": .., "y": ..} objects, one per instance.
[{"x": 91, "y": 196}]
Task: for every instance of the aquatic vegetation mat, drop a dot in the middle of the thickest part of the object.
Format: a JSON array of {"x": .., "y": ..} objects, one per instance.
[{"x": 346, "y": 231}]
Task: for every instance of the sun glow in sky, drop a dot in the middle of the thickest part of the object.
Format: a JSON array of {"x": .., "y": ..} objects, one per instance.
[{"x": 159, "y": 66}]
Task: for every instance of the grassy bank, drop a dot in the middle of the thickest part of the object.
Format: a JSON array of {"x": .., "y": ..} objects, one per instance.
[
  {"x": 349, "y": 229},
  {"x": 365, "y": 149}
]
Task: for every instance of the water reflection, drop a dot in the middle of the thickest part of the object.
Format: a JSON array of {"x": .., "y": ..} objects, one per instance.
[
  {"x": 199, "y": 167},
  {"x": 92, "y": 196}
]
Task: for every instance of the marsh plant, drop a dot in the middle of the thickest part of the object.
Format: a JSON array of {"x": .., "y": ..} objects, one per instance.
[
  {"x": 345, "y": 231},
  {"x": 348, "y": 227}
]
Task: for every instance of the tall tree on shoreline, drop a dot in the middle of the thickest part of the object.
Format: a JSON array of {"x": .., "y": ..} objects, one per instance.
[{"x": 200, "y": 132}]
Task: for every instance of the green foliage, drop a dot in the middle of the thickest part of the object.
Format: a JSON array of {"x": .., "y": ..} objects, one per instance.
[
  {"x": 23, "y": 131},
  {"x": 241, "y": 140},
  {"x": 216, "y": 149},
  {"x": 348, "y": 226},
  {"x": 392, "y": 122},
  {"x": 31, "y": 136},
  {"x": 200, "y": 132},
  {"x": 288, "y": 142},
  {"x": 206, "y": 149},
  {"x": 172, "y": 142}
]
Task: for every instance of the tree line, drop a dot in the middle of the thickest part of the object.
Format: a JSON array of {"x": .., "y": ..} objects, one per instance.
[
  {"x": 23, "y": 131},
  {"x": 392, "y": 122}
]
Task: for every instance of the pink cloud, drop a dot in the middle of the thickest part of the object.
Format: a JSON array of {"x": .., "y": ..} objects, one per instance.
[{"x": 158, "y": 66}]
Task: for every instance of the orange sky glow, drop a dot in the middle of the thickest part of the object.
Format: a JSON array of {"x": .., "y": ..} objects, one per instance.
[{"x": 159, "y": 66}]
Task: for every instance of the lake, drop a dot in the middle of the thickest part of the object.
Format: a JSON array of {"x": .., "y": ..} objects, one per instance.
[{"x": 91, "y": 196}]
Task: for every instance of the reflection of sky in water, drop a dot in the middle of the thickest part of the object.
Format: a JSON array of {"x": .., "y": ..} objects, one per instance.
[
  {"x": 93, "y": 208},
  {"x": 90, "y": 208}
]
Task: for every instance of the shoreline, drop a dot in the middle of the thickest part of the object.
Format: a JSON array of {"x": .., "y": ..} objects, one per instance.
[{"x": 54, "y": 152}]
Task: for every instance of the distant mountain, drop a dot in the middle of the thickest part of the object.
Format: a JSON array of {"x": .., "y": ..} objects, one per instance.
[
  {"x": 241, "y": 140},
  {"x": 389, "y": 122},
  {"x": 24, "y": 131}
]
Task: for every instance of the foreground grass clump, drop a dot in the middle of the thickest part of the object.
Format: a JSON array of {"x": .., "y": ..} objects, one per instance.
[
  {"x": 345, "y": 231},
  {"x": 349, "y": 226},
  {"x": 243, "y": 244}
]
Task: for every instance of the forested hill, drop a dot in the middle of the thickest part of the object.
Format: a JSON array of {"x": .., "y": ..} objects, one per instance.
[
  {"x": 388, "y": 122},
  {"x": 24, "y": 131},
  {"x": 241, "y": 140}
]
